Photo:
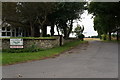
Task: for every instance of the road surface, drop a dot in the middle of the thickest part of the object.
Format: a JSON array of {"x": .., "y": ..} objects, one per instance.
[{"x": 93, "y": 60}]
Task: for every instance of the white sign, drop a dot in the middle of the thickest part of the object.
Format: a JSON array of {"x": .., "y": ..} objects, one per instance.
[
  {"x": 16, "y": 43},
  {"x": 16, "y": 46}
]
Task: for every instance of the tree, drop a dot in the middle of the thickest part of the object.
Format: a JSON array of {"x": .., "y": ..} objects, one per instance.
[
  {"x": 10, "y": 13},
  {"x": 65, "y": 14},
  {"x": 78, "y": 31},
  {"x": 105, "y": 16},
  {"x": 36, "y": 15}
]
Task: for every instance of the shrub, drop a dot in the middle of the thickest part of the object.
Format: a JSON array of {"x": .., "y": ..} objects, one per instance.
[
  {"x": 81, "y": 36},
  {"x": 104, "y": 37},
  {"x": 48, "y": 35},
  {"x": 114, "y": 35}
]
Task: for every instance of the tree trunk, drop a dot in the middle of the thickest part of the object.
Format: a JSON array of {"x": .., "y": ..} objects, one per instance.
[
  {"x": 36, "y": 31},
  {"x": 65, "y": 31},
  {"x": 44, "y": 31},
  {"x": 31, "y": 29},
  {"x": 71, "y": 26},
  {"x": 41, "y": 33},
  {"x": 118, "y": 35},
  {"x": 27, "y": 33},
  {"x": 110, "y": 36},
  {"x": 41, "y": 28},
  {"x": 57, "y": 29},
  {"x": 52, "y": 29}
]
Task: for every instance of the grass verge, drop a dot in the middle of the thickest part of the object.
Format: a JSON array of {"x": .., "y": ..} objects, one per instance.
[{"x": 13, "y": 58}]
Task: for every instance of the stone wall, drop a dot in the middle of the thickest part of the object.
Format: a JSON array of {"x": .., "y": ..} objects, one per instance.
[
  {"x": 68, "y": 40},
  {"x": 63, "y": 41},
  {"x": 39, "y": 43},
  {"x": 5, "y": 43}
]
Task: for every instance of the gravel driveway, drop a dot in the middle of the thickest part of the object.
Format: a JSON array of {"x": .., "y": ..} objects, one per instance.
[{"x": 93, "y": 60}]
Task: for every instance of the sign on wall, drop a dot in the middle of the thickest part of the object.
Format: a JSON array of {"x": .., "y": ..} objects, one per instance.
[{"x": 16, "y": 43}]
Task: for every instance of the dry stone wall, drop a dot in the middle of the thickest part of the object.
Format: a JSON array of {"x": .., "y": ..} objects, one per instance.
[{"x": 39, "y": 43}]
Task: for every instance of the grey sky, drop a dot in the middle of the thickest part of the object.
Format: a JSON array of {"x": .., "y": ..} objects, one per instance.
[{"x": 87, "y": 22}]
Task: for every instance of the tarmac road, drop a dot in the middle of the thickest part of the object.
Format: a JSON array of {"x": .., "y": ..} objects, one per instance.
[{"x": 93, "y": 60}]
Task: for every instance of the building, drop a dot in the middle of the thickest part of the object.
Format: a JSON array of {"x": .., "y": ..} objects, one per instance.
[{"x": 6, "y": 30}]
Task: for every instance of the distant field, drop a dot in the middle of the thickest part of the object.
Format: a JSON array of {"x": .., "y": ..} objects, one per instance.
[{"x": 89, "y": 39}]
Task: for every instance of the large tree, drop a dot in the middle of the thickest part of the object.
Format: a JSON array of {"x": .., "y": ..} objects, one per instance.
[
  {"x": 36, "y": 13},
  {"x": 105, "y": 20},
  {"x": 10, "y": 12},
  {"x": 65, "y": 14},
  {"x": 36, "y": 16}
]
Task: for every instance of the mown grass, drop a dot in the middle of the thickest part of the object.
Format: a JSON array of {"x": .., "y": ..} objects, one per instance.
[{"x": 12, "y": 58}]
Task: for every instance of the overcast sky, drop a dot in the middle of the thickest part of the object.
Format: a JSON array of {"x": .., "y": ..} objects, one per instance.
[{"x": 88, "y": 24}]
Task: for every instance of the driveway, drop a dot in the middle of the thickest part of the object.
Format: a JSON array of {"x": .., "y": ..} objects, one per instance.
[{"x": 93, "y": 60}]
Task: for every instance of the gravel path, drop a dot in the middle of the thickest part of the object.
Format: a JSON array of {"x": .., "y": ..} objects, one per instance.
[{"x": 93, "y": 60}]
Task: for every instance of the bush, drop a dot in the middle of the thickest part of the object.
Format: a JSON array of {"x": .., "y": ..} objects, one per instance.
[
  {"x": 114, "y": 35},
  {"x": 81, "y": 36},
  {"x": 94, "y": 36},
  {"x": 48, "y": 35},
  {"x": 104, "y": 37}
]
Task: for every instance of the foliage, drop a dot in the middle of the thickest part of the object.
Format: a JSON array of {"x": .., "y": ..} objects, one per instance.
[
  {"x": 78, "y": 31},
  {"x": 114, "y": 35},
  {"x": 94, "y": 36},
  {"x": 9, "y": 11},
  {"x": 48, "y": 35},
  {"x": 42, "y": 14},
  {"x": 81, "y": 37},
  {"x": 103, "y": 37},
  {"x": 66, "y": 13},
  {"x": 37, "y": 14},
  {"x": 105, "y": 16}
]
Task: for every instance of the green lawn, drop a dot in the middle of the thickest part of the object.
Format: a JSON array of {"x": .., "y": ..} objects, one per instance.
[{"x": 12, "y": 58}]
